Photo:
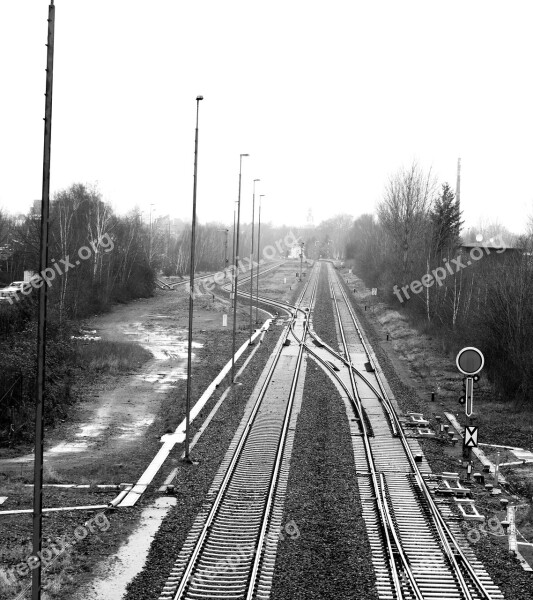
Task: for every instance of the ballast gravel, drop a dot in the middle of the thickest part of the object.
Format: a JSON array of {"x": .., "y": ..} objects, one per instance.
[{"x": 331, "y": 556}]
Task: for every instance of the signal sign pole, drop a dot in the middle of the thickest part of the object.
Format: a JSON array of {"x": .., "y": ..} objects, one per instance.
[
  {"x": 469, "y": 361},
  {"x": 469, "y": 396}
]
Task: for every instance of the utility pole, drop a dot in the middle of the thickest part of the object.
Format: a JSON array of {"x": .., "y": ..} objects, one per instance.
[
  {"x": 191, "y": 288},
  {"x": 225, "y": 251},
  {"x": 302, "y": 244},
  {"x": 41, "y": 319},
  {"x": 258, "y": 261},
  {"x": 150, "y": 239},
  {"x": 458, "y": 185},
  {"x": 233, "y": 262},
  {"x": 252, "y": 267},
  {"x": 236, "y": 274}
]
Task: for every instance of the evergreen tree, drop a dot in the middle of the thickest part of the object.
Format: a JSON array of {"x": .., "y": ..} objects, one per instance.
[{"x": 446, "y": 220}]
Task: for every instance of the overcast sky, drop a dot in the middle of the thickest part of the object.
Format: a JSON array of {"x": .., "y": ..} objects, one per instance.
[{"x": 328, "y": 98}]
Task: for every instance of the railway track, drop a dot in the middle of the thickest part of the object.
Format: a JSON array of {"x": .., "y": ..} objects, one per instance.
[
  {"x": 170, "y": 286},
  {"x": 230, "y": 550},
  {"x": 418, "y": 550},
  {"x": 416, "y": 553}
]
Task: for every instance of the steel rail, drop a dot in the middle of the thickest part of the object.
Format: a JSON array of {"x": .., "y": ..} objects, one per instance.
[
  {"x": 440, "y": 525},
  {"x": 191, "y": 564},
  {"x": 385, "y": 522},
  {"x": 444, "y": 532},
  {"x": 388, "y": 526},
  {"x": 281, "y": 448}
]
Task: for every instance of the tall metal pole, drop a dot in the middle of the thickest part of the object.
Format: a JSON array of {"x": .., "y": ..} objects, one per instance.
[
  {"x": 458, "y": 184},
  {"x": 252, "y": 267},
  {"x": 226, "y": 253},
  {"x": 225, "y": 267},
  {"x": 258, "y": 261},
  {"x": 150, "y": 238},
  {"x": 191, "y": 288},
  {"x": 301, "y": 258},
  {"x": 233, "y": 261},
  {"x": 236, "y": 273},
  {"x": 41, "y": 320}
]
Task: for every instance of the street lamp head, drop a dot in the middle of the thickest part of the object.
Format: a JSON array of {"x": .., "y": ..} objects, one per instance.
[
  {"x": 245, "y": 155},
  {"x": 257, "y": 180},
  {"x": 199, "y": 98}
]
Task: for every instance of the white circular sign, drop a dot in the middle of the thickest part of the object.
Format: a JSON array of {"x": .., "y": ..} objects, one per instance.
[{"x": 470, "y": 360}]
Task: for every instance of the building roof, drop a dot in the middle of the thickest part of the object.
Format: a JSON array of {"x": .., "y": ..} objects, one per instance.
[{"x": 489, "y": 246}]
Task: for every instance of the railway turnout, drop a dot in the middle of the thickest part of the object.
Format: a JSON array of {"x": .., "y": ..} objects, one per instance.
[{"x": 418, "y": 549}]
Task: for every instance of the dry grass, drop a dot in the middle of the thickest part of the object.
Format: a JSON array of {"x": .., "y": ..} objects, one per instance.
[
  {"x": 272, "y": 285},
  {"x": 50, "y": 475},
  {"x": 54, "y": 576},
  {"x": 110, "y": 357}
]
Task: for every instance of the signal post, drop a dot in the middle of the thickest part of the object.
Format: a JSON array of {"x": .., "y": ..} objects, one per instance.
[{"x": 469, "y": 361}]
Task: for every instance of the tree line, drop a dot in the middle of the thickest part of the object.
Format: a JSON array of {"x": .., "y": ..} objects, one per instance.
[
  {"x": 470, "y": 287},
  {"x": 96, "y": 258}
]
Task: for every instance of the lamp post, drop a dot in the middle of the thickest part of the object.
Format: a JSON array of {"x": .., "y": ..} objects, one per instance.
[
  {"x": 233, "y": 261},
  {"x": 191, "y": 288},
  {"x": 236, "y": 272},
  {"x": 258, "y": 261},
  {"x": 302, "y": 244},
  {"x": 150, "y": 238},
  {"x": 252, "y": 266},
  {"x": 225, "y": 252}
]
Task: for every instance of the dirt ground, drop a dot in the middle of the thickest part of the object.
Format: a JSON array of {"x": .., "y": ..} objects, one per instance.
[
  {"x": 282, "y": 283},
  {"x": 118, "y": 410}
]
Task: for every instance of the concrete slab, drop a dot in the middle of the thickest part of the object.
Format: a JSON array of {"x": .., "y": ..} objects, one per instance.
[{"x": 477, "y": 451}]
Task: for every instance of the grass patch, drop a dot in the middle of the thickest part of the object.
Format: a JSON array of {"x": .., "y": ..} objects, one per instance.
[
  {"x": 273, "y": 284},
  {"x": 110, "y": 357}
]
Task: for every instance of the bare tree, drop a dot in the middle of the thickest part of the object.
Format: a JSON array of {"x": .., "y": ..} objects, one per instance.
[
  {"x": 4, "y": 228},
  {"x": 403, "y": 212},
  {"x": 98, "y": 224}
]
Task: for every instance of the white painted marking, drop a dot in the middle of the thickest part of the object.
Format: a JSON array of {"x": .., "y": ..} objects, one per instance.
[
  {"x": 170, "y": 440},
  {"x": 60, "y": 509}
]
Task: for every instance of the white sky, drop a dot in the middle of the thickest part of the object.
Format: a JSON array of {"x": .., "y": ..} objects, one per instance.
[{"x": 328, "y": 98}]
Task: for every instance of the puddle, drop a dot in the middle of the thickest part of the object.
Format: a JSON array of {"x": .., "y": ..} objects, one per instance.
[
  {"x": 132, "y": 405},
  {"x": 68, "y": 447},
  {"x": 135, "y": 429},
  {"x": 90, "y": 430},
  {"x": 164, "y": 342},
  {"x": 131, "y": 556}
]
